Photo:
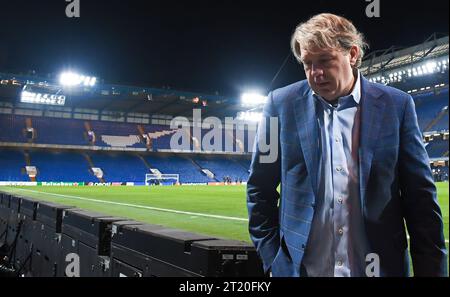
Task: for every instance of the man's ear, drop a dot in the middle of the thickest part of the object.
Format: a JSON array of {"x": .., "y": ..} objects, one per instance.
[{"x": 354, "y": 54}]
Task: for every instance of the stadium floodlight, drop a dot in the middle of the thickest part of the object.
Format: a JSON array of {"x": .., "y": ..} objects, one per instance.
[
  {"x": 92, "y": 81},
  {"x": 431, "y": 66},
  {"x": 71, "y": 79},
  {"x": 253, "y": 99}
]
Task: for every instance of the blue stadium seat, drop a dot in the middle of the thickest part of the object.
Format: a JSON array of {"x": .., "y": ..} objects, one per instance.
[
  {"x": 12, "y": 166},
  {"x": 61, "y": 167},
  {"x": 437, "y": 148},
  {"x": 120, "y": 167},
  {"x": 223, "y": 166},
  {"x": 176, "y": 164},
  {"x": 428, "y": 106}
]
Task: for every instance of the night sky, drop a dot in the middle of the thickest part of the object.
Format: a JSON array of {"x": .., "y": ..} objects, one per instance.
[{"x": 203, "y": 46}]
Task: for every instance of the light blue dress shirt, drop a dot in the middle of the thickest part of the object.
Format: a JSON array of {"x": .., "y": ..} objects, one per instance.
[{"x": 337, "y": 244}]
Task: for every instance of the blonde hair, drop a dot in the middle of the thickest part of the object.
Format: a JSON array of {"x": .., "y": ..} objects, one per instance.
[{"x": 327, "y": 30}]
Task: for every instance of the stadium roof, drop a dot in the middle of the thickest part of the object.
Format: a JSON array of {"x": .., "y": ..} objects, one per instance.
[
  {"x": 128, "y": 99},
  {"x": 394, "y": 57}
]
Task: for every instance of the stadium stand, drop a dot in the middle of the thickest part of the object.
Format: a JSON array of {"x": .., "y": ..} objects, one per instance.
[
  {"x": 111, "y": 134},
  {"x": 432, "y": 110},
  {"x": 12, "y": 128},
  {"x": 222, "y": 167},
  {"x": 59, "y": 131},
  {"x": 116, "y": 134},
  {"x": 428, "y": 107},
  {"x": 177, "y": 164},
  {"x": 120, "y": 167},
  {"x": 51, "y": 130},
  {"x": 12, "y": 165},
  {"x": 442, "y": 123},
  {"x": 437, "y": 148},
  {"x": 61, "y": 167},
  {"x": 68, "y": 166}
]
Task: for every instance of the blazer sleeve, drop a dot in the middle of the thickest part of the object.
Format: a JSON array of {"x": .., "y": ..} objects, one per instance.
[
  {"x": 262, "y": 194},
  {"x": 422, "y": 212}
]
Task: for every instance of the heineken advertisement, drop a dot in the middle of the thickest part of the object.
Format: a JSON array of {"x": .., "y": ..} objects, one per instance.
[{"x": 60, "y": 184}]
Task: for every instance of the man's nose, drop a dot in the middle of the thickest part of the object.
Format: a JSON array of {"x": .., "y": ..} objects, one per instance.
[{"x": 316, "y": 72}]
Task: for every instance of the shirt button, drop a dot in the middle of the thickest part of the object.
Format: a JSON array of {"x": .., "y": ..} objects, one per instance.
[
  {"x": 341, "y": 231},
  {"x": 340, "y": 200},
  {"x": 339, "y": 263},
  {"x": 339, "y": 169},
  {"x": 337, "y": 139}
]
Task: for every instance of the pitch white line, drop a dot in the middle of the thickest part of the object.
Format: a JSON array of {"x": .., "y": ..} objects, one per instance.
[{"x": 138, "y": 206}]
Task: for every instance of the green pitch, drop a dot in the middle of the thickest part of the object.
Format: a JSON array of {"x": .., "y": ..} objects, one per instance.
[
  {"x": 218, "y": 211},
  {"x": 191, "y": 208}
]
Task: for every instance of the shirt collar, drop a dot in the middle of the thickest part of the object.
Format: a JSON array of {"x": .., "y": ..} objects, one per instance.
[{"x": 356, "y": 92}]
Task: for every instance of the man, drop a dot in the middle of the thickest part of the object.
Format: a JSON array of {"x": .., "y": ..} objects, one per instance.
[{"x": 352, "y": 167}]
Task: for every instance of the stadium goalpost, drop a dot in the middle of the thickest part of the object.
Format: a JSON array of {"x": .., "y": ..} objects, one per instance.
[{"x": 161, "y": 179}]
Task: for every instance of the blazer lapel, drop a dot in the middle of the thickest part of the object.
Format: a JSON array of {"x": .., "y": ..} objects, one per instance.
[
  {"x": 307, "y": 128},
  {"x": 371, "y": 117}
]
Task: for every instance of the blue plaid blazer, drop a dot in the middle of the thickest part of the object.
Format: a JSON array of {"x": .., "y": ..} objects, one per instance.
[{"x": 396, "y": 184}]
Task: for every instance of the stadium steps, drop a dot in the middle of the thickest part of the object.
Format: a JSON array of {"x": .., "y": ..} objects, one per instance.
[
  {"x": 144, "y": 161},
  {"x": 209, "y": 174},
  {"x": 28, "y": 163},
  {"x": 29, "y": 124},
  {"x": 87, "y": 128},
  {"x": 91, "y": 164},
  {"x": 148, "y": 165},
  {"x": 200, "y": 168},
  {"x": 142, "y": 132},
  {"x": 436, "y": 119}
]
